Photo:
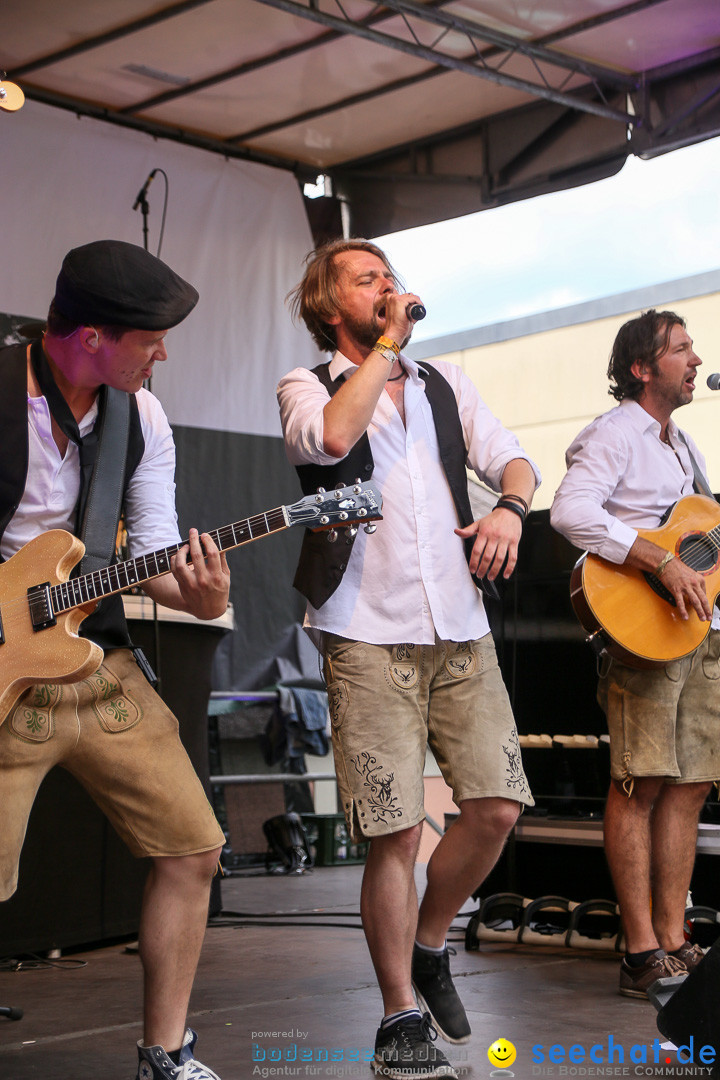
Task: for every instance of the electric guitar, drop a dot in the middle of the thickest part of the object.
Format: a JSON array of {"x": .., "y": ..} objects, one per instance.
[
  {"x": 629, "y": 613},
  {"x": 41, "y": 607}
]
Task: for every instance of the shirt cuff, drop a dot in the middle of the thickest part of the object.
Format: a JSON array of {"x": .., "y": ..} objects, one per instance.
[{"x": 620, "y": 539}]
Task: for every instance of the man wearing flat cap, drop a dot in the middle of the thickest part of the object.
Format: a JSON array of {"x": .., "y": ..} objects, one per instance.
[{"x": 75, "y": 424}]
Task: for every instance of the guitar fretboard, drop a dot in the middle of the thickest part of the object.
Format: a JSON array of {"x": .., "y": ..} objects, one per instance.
[{"x": 123, "y": 575}]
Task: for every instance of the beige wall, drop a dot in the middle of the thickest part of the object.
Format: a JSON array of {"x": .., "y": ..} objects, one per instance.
[{"x": 546, "y": 386}]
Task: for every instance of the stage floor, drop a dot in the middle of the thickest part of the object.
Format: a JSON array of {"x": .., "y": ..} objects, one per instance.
[{"x": 273, "y": 994}]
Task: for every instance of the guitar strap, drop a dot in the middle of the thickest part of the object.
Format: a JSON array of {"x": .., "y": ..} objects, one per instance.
[
  {"x": 98, "y": 529},
  {"x": 103, "y": 454},
  {"x": 701, "y": 485}
]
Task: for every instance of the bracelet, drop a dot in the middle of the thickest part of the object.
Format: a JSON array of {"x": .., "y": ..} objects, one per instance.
[
  {"x": 501, "y": 504},
  {"x": 519, "y": 499},
  {"x": 387, "y": 353},
  {"x": 668, "y": 557},
  {"x": 388, "y": 343}
]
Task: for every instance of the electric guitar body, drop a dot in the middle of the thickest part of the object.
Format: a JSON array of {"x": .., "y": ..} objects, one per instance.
[{"x": 56, "y": 654}]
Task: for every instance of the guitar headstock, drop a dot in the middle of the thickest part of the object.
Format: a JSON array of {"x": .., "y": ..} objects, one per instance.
[
  {"x": 11, "y": 96},
  {"x": 358, "y": 504}
]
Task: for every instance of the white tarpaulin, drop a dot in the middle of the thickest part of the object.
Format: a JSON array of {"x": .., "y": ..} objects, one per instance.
[{"x": 236, "y": 230}]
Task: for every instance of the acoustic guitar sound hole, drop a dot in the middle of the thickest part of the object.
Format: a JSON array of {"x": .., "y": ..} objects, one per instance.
[{"x": 699, "y": 552}]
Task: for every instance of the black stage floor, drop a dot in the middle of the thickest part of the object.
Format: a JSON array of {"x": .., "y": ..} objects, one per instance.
[{"x": 273, "y": 995}]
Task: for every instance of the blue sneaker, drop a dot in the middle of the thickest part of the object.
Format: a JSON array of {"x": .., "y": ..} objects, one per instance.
[{"x": 154, "y": 1063}]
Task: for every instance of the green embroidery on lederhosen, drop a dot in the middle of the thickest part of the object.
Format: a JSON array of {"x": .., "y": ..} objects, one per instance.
[
  {"x": 114, "y": 710},
  {"x": 33, "y": 716}
]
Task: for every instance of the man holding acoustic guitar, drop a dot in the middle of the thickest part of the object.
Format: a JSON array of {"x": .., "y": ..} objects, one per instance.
[
  {"x": 81, "y": 436},
  {"x": 641, "y": 590}
]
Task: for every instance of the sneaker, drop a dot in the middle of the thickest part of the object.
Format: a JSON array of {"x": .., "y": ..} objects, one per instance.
[
  {"x": 405, "y": 1051},
  {"x": 634, "y": 981},
  {"x": 435, "y": 992},
  {"x": 689, "y": 955},
  {"x": 154, "y": 1064}
]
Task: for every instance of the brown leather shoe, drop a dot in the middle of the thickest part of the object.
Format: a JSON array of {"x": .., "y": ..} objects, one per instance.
[
  {"x": 689, "y": 955},
  {"x": 634, "y": 981}
]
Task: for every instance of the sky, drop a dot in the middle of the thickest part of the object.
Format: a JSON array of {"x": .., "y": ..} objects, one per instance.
[{"x": 654, "y": 221}]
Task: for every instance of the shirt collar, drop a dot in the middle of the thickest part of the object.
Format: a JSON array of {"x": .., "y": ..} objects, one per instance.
[{"x": 643, "y": 421}]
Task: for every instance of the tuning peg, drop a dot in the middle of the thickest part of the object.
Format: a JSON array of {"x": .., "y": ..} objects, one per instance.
[
  {"x": 351, "y": 532},
  {"x": 370, "y": 528},
  {"x": 332, "y": 536}
]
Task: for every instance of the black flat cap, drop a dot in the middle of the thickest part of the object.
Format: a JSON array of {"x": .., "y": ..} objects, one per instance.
[{"x": 113, "y": 283}]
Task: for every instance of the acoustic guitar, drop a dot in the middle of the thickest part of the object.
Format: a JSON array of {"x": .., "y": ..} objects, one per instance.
[
  {"x": 41, "y": 606},
  {"x": 629, "y": 613}
]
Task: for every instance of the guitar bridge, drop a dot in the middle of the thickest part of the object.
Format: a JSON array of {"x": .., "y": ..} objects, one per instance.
[
  {"x": 42, "y": 615},
  {"x": 657, "y": 586}
]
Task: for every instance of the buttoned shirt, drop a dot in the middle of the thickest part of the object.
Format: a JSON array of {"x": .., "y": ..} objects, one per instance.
[
  {"x": 409, "y": 580},
  {"x": 53, "y": 482},
  {"x": 621, "y": 477}
]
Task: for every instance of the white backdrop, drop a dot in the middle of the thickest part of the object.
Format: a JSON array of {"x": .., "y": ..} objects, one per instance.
[{"x": 236, "y": 230}]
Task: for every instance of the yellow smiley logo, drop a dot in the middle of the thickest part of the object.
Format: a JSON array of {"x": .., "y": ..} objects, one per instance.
[{"x": 502, "y": 1053}]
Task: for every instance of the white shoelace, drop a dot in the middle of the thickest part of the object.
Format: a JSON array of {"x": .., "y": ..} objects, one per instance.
[{"x": 193, "y": 1070}]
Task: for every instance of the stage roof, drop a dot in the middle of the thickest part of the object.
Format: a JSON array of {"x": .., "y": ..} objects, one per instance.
[{"x": 413, "y": 110}]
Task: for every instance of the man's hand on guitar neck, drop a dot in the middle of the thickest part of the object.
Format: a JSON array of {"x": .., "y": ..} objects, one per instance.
[
  {"x": 685, "y": 584},
  {"x": 200, "y": 579}
]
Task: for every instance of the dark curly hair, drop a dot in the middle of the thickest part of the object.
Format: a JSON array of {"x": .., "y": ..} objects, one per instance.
[
  {"x": 645, "y": 339},
  {"x": 315, "y": 299}
]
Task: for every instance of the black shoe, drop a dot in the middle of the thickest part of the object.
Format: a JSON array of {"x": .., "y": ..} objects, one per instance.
[
  {"x": 435, "y": 992},
  {"x": 405, "y": 1051}
]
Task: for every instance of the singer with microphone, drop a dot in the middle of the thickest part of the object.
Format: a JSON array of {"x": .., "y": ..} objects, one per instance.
[
  {"x": 625, "y": 471},
  {"x": 400, "y": 621}
]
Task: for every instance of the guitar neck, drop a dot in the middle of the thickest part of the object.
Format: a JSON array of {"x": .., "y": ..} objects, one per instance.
[{"x": 124, "y": 575}]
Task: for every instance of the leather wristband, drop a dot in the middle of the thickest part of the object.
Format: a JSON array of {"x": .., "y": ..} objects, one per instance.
[{"x": 506, "y": 504}]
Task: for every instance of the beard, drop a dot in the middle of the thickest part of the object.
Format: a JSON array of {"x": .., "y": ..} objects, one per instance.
[{"x": 367, "y": 331}]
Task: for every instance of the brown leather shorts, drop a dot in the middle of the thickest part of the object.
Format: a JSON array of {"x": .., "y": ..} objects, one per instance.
[
  {"x": 665, "y": 721},
  {"x": 118, "y": 738},
  {"x": 389, "y": 702}
]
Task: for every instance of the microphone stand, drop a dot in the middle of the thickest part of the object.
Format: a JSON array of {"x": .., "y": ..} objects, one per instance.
[{"x": 142, "y": 203}]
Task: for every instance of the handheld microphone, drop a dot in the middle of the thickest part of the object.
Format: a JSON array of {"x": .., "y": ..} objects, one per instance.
[
  {"x": 713, "y": 382},
  {"x": 142, "y": 193},
  {"x": 416, "y": 312}
]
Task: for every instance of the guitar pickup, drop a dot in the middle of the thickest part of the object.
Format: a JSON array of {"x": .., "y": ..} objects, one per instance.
[
  {"x": 42, "y": 615},
  {"x": 657, "y": 586}
]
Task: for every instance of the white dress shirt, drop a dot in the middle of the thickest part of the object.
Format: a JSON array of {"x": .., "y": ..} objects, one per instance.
[
  {"x": 621, "y": 477},
  {"x": 410, "y": 579},
  {"x": 53, "y": 482}
]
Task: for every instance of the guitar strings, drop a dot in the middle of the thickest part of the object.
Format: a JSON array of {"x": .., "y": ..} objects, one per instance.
[
  {"x": 225, "y": 537},
  {"x": 699, "y": 547}
]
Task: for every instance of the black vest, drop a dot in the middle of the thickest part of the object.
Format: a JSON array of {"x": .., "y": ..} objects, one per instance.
[
  {"x": 322, "y": 565},
  {"x": 106, "y": 626}
]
